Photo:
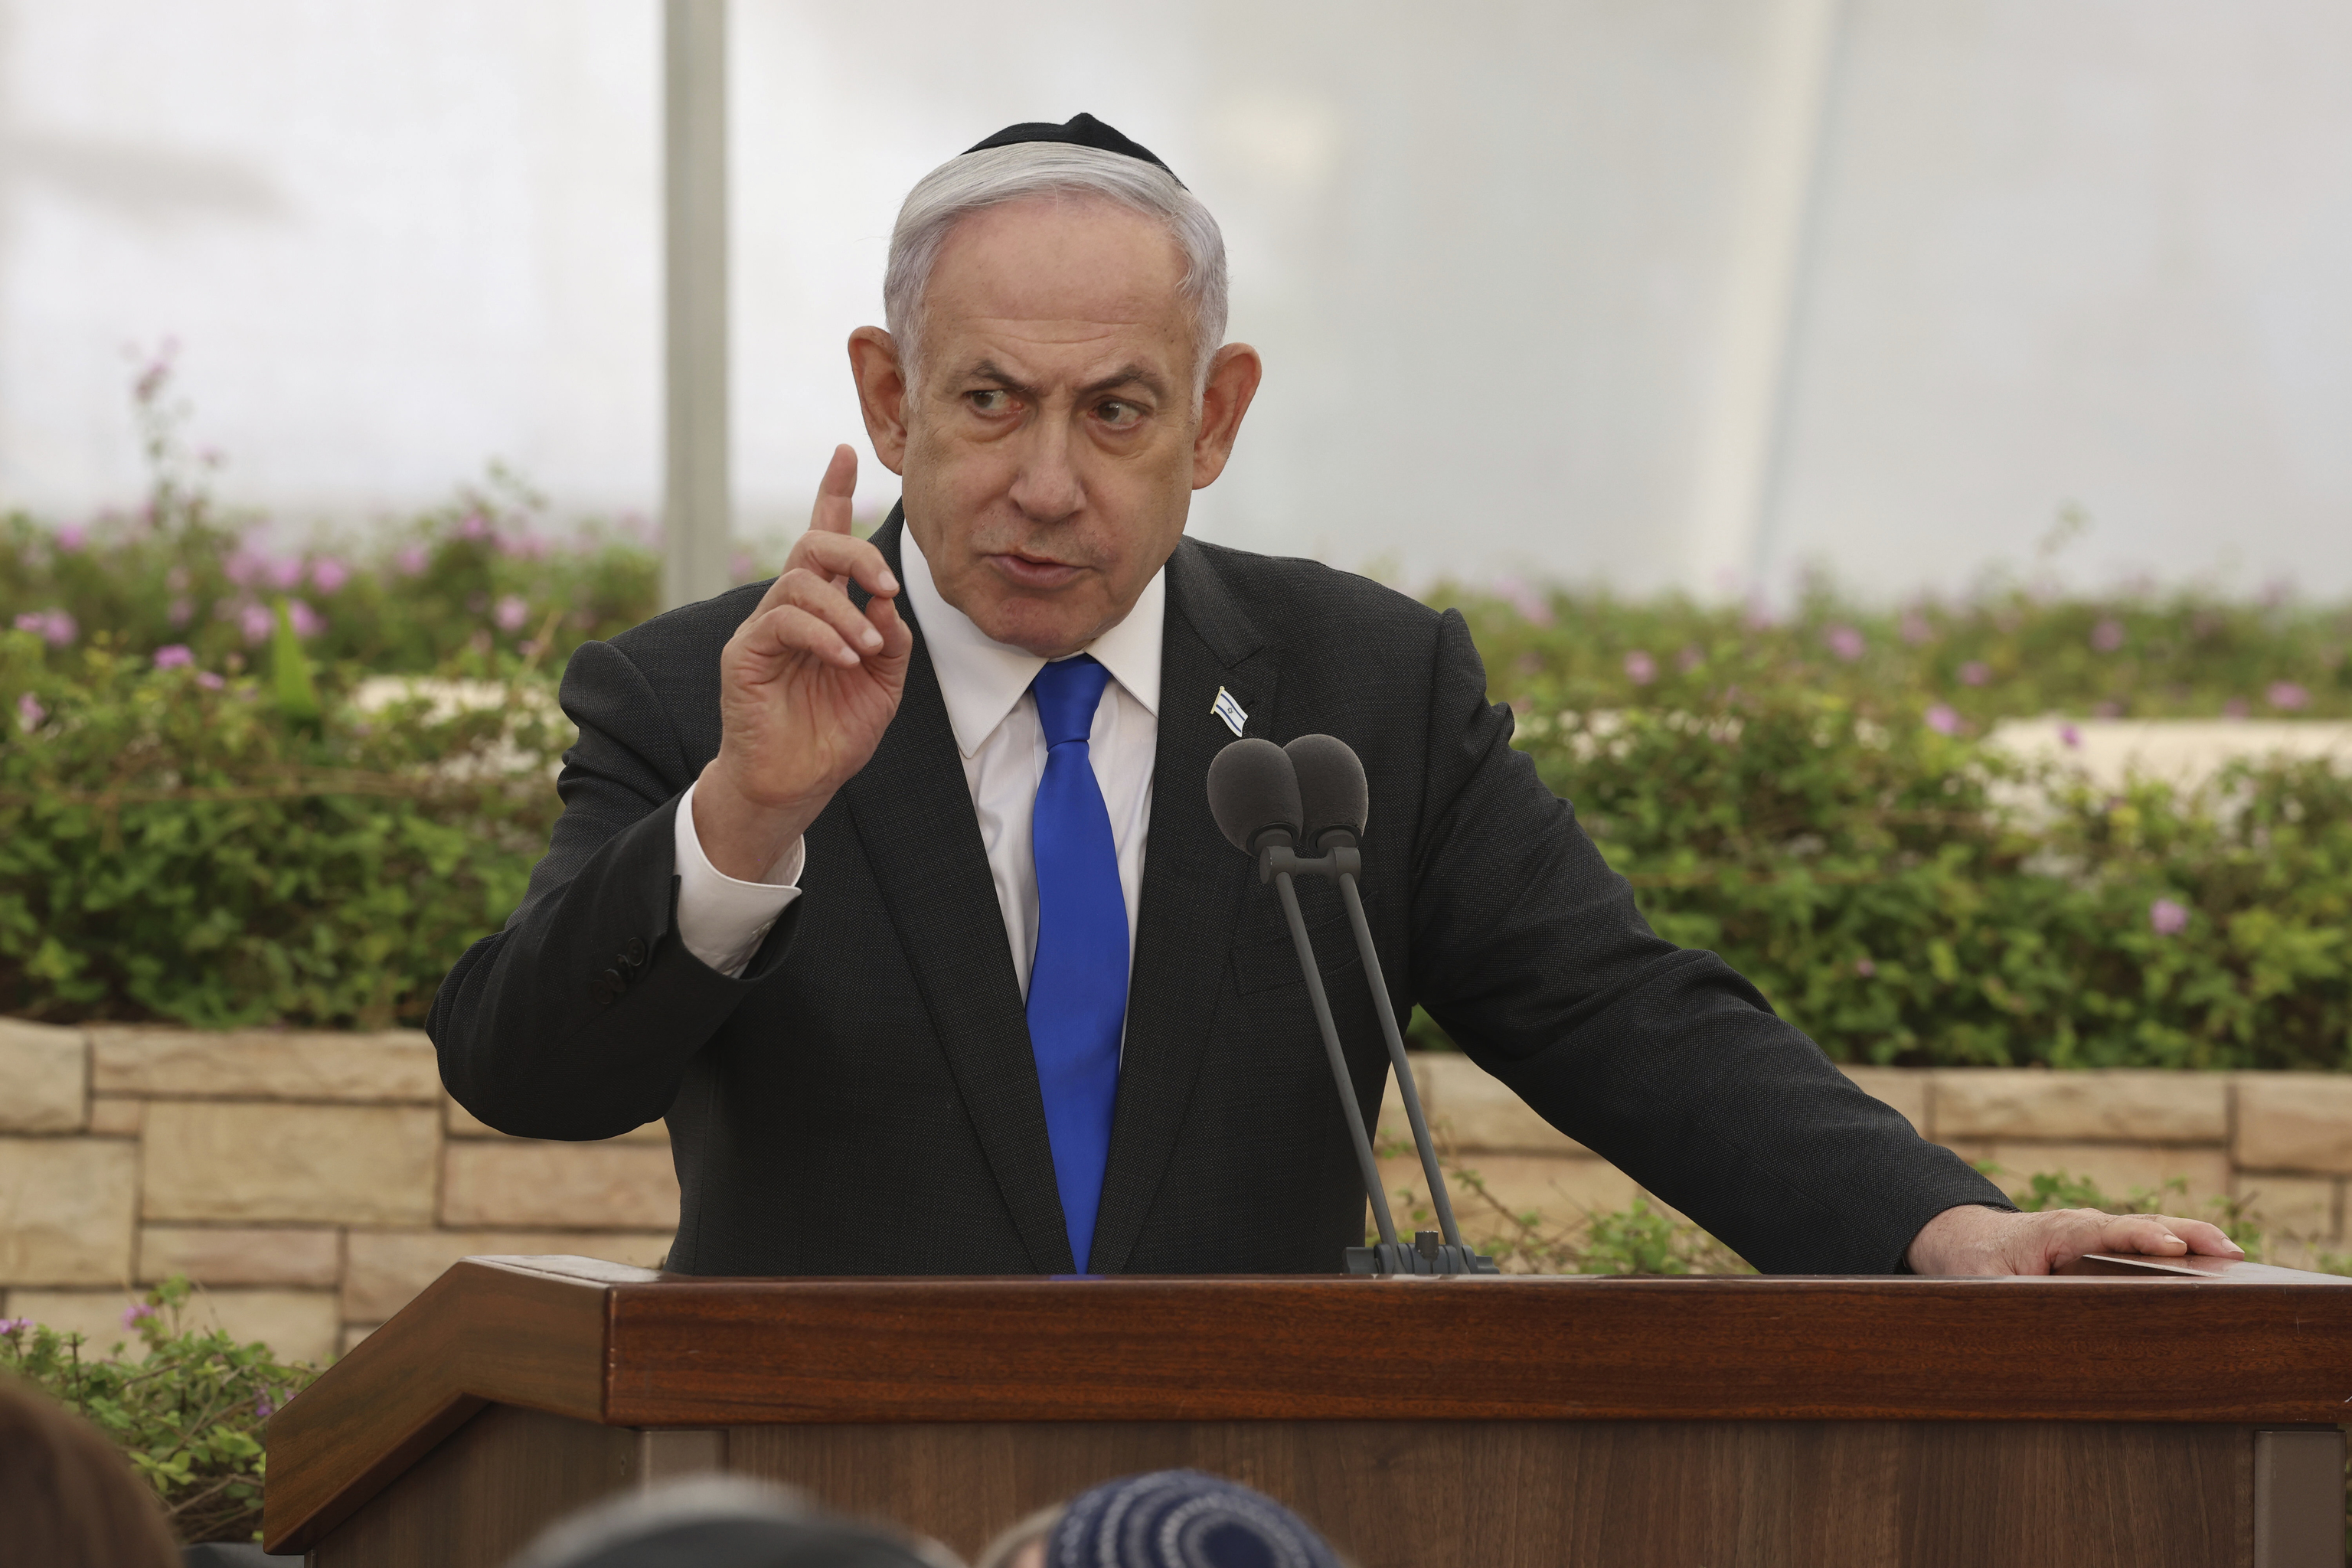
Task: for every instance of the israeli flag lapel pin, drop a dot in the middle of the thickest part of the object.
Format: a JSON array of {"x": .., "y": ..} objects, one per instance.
[{"x": 1225, "y": 708}]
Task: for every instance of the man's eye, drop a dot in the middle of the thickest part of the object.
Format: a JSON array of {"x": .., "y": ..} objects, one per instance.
[
  {"x": 1117, "y": 414},
  {"x": 990, "y": 400}
]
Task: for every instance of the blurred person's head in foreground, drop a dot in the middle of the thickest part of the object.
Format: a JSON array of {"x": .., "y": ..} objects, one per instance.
[
  {"x": 1167, "y": 1519},
  {"x": 67, "y": 1497},
  {"x": 721, "y": 1521}
]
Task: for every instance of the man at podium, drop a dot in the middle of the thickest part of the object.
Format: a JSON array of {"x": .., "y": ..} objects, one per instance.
[{"x": 892, "y": 884}]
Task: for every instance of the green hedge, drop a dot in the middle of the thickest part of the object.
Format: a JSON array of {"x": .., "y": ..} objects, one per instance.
[
  {"x": 1911, "y": 896},
  {"x": 185, "y": 833},
  {"x": 178, "y": 844}
]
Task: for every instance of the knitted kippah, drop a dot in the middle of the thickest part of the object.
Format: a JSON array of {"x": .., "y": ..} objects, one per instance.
[{"x": 1182, "y": 1519}]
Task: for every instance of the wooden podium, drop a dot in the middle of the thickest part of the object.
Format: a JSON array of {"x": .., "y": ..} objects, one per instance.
[{"x": 2142, "y": 1415}]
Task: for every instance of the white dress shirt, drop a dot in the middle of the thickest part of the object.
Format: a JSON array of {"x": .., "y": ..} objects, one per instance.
[{"x": 985, "y": 683}]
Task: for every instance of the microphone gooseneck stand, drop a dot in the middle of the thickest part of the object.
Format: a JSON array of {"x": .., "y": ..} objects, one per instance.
[
  {"x": 1255, "y": 794},
  {"x": 1441, "y": 1251}
]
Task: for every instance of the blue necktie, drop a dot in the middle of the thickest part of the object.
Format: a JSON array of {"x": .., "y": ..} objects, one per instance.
[{"x": 1078, "y": 983}]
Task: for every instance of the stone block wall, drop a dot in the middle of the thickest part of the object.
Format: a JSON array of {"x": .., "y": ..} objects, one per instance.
[
  {"x": 2281, "y": 1143},
  {"x": 313, "y": 1184}
]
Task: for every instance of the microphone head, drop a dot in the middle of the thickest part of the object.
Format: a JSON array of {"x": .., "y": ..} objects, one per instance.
[
  {"x": 1252, "y": 793},
  {"x": 1332, "y": 793}
]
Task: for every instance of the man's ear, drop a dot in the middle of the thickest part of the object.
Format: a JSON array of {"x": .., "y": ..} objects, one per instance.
[
  {"x": 1234, "y": 375},
  {"x": 881, "y": 394}
]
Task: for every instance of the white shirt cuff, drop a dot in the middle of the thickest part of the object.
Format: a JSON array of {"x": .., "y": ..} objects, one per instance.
[{"x": 721, "y": 921}]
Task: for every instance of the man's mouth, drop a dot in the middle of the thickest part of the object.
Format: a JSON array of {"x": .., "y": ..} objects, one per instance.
[{"x": 1033, "y": 571}]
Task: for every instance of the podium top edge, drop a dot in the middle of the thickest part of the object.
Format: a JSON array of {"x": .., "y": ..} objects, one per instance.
[{"x": 2100, "y": 1268}]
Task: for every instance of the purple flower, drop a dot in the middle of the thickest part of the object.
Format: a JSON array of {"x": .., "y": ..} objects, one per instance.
[
  {"x": 242, "y": 566},
  {"x": 411, "y": 559},
  {"x": 512, "y": 612},
  {"x": 2070, "y": 736},
  {"x": 1845, "y": 642},
  {"x": 2167, "y": 918},
  {"x": 2108, "y": 635},
  {"x": 209, "y": 681},
  {"x": 29, "y": 712},
  {"x": 136, "y": 1313},
  {"x": 181, "y": 611},
  {"x": 256, "y": 623},
  {"x": 172, "y": 655},
  {"x": 2236, "y": 708},
  {"x": 329, "y": 575},
  {"x": 263, "y": 1405},
  {"x": 15, "y": 1325},
  {"x": 1976, "y": 672},
  {"x": 72, "y": 538},
  {"x": 1690, "y": 658},
  {"x": 474, "y": 527},
  {"x": 2286, "y": 694},
  {"x": 1532, "y": 606},
  {"x": 1915, "y": 629},
  {"x": 56, "y": 627},
  {"x": 1863, "y": 967},
  {"x": 1640, "y": 668},
  {"x": 307, "y": 622},
  {"x": 1943, "y": 719}
]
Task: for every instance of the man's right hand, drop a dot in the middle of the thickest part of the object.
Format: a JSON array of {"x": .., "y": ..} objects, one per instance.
[{"x": 806, "y": 686}]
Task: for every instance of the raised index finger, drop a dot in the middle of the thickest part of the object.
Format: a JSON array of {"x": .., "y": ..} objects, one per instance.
[{"x": 831, "y": 513}]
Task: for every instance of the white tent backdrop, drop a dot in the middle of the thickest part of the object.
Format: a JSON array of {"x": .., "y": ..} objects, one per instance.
[{"x": 1670, "y": 293}]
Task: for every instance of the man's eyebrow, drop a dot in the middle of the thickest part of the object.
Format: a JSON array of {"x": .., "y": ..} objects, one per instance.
[
  {"x": 1128, "y": 375},
  {"x": 1131, "y": 375},
  {"x": 989, "y": 370}
]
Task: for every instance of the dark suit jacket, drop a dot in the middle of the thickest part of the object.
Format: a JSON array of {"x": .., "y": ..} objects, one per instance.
[{"x": 862, "y": 1100}]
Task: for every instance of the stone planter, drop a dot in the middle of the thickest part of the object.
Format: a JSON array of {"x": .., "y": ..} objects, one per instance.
[{"x": 312, "y": 1182}]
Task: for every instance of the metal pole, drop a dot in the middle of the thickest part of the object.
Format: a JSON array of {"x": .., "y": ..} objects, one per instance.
[
  {"x": 697, "y": 510},
  {"x": 1753, "y": 348}
]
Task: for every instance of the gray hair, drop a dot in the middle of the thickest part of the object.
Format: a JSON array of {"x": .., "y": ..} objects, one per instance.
[{"x": 978, "y": 181}]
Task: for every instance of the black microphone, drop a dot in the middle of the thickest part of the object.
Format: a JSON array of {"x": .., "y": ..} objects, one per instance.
[
  {"x": 1335, "y": 800},
  {"x": 1254, "y": 796}
]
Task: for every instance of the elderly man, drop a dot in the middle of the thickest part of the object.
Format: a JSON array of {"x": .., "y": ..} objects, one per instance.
[{"x": 892, "y": 884}]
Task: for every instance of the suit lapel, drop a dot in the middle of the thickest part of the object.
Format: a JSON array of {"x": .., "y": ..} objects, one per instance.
[
  {"x": 913, "y": 813},
  {"x": 1193, "y": 885}
]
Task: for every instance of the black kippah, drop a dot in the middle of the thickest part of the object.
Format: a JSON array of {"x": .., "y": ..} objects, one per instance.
[{"x": 1081, "y": 130}]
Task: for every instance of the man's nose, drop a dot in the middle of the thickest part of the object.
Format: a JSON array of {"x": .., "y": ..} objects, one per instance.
[{"x": 1048, "y": 487}]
